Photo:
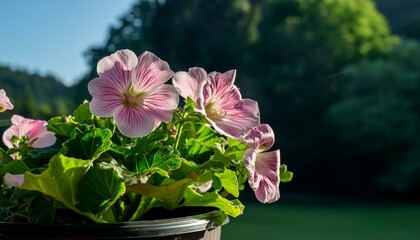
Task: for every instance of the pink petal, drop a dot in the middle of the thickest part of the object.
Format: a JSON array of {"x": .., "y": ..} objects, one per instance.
[
  {"x": 106, "y": 96},
  {"x": 251, "y": 106},
  {"x": 133, "y": 122},
  {"x": 5, "y": 103},
  {"x": 45, "y": 139},
  {"x": 37, "y": 130},
  {"x": 16, "y": 119},
  {"x": 162, "y": 102},
  {"x": 235, "y": 123},
  {"x": 187, "y": 84},
  {"x": 33, "y": 129},
  {"x": 267, "y": 164},
  {"x": 267, "y": 192},
  {"x": 225, "y": 100},
  {"x": 18, "y": 128},
  {"x": 223, "y": 81},
  {"x": 260, "y": 138},
  {"x": 254, "y": 178},
  {"x": 13, "y": 180},
  {"x": 118, "y": 65},
  {"x": 263, "y": 174},
  {"x": 8, "y": 134},
  {"x": 151, "y": 72}
]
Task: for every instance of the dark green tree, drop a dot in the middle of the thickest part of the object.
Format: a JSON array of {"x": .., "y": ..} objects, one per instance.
[
  {"x": 378, "y": 121},
  {"x": 304, "y": 44}
]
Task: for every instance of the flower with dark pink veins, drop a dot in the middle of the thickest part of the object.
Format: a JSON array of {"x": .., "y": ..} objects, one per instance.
[
  {"x": 5, "y": 103},
  {"x": 132, "y": 91},
  {"x": 219, "y": 100},
  {"x": 263, "y": 167},
  {"x": 30, "y": 131}
]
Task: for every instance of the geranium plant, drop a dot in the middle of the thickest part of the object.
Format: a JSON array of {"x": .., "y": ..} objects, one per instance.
[{"x": 134, "y": 148}]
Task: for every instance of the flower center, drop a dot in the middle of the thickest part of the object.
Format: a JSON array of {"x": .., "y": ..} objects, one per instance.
[
  {"x": 132, "y": 100},
  {"x": 214, "y": 113}
]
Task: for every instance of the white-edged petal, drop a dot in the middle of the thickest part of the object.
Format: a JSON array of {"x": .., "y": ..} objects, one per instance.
[
  {"x": 118, "y": 64},
  {"x": 150, "y": 73},
  {"x": 188, "y": 83}
]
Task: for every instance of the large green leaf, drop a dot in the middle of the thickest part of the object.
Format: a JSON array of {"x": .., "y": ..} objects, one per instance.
[
  {"x": 59, "y": 181},
  {"x": 99, "y": 188},
  {"x": 192, "y": 198},
  {"x": 168, "y": 195},
  {"x": 229, "y": 182},
  {"x": 88, "y": 144}
]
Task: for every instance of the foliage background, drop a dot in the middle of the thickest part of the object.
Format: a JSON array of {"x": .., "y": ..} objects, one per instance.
[{"x": 336, "y": 79}]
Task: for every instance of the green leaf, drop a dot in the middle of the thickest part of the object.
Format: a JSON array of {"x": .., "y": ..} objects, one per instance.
[
  {"x": 41, "y": 210},
  {"x": 59, "y": 181},
  {"x": 192, "y": 198},
  {"x": 168, "y": 195},
  {"x": 162, "y": 161},
  {"x": 4, "y": 157},
  {"x": 233, "y": 154},
  {"x": 199, "y": 141},
  {"x": 61, "y": 125},
  {"x": 82, "y": 113},
  {"x": 88, "y": 144},
  {"x": 285, "y": 175},
  {"x": 229, "y": 181},
  {"x": 15, "y": 167},
  {"x": 4, "y": 202},
  {"x": 144, "y": 204},
  {"x": 99, "y": 188}
]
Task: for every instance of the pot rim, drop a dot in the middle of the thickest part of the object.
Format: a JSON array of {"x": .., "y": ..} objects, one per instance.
[{"x": 143, "y": 228}]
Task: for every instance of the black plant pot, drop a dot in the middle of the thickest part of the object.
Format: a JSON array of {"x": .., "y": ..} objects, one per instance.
[{"x": 205, "y": 226}]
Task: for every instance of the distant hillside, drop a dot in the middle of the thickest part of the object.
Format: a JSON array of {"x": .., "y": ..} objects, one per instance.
[{"x": 34, "y": 95}]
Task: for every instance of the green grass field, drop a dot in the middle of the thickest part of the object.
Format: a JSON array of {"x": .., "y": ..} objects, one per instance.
[{"x": 322, "y": 222}]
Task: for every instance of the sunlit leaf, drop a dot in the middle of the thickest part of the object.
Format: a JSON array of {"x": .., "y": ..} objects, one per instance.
[
  {"x": 59, "y": 181},
  {"x": 192, "y": 198},
  {"x": 168, "y": 195},
  {"x": 285, "y": 175},
  {"x": 229, "y": 181},
  {"x": 82, "y": 113}
]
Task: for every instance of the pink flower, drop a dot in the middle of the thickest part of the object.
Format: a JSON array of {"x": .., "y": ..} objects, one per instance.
[
  {"x": 263, "y": 167},
  {"x": 31, "y": 131},
  {"x": 219, "y": 100},
  {"x": 13, "y": 180},
  {"x": 189, "y": 84},
  {"x": 5, "y": 103},
  {"x": 132, "y": 91}
]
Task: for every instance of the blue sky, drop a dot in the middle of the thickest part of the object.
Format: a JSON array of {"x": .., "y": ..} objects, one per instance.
[{"x": 50, "y": 36}]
